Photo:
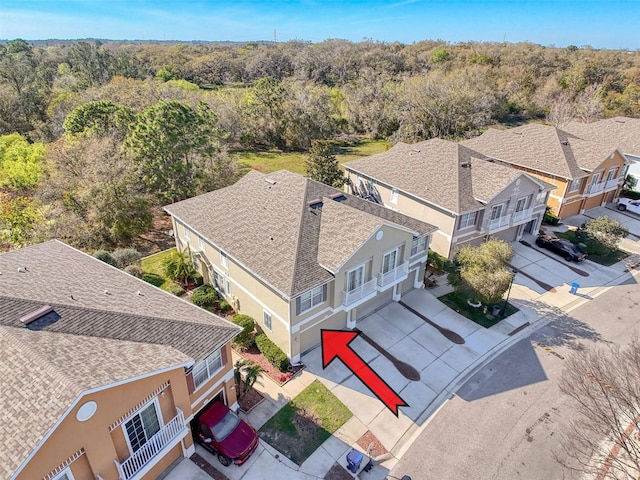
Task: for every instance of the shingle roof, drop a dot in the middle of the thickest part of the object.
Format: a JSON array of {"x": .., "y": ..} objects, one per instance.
[
  {"x": 106, "y": 326},
  {"x": 542, "y": 148},
  {"x": 617, "y": 132},
  {"x": 265, "y": 223},
  {"x": 431, "y": 170}
]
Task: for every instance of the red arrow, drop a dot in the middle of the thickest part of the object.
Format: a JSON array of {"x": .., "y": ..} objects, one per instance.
[{"x": 335, "y": 343}]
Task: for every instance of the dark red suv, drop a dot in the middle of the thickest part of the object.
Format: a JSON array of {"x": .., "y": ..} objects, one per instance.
[{"x": 223, "y": 433}]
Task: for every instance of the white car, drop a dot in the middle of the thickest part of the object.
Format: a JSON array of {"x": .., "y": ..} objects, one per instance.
[{"x": 628, "y": 204}]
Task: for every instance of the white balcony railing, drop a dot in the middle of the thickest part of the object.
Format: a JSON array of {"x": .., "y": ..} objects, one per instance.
[
  {"x": 360, "y": 293},
  {"x": 611, "y": 184},
  {"x": 154, "y": 445},
  {"x": 394, "y": 276},
  {"x": 522, "y": 215},
  {"x": 499, "y": 222},
  {"x": 596, "y": 188}
]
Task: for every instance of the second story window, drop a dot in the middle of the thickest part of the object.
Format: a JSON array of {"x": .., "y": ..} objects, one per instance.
[
  {"x": 223, "y": 259},
  {"x": 310, "y": 299},
  {"x": 207, "y": 368},
  {"x": 187, "y": 234},
  {"x": 575, "y": 185},
  {"x": 468, "y": 219},
  {"x": 521, "y": 204},
  {"x": 541, "y": 197},
  {"x": 201, "y": 243},
  {"x": 419, "y": 245},
  {"x": 611, "y": 174},
  {"x": 142, "y": 425},
  {"x": 266, "y": 319}
]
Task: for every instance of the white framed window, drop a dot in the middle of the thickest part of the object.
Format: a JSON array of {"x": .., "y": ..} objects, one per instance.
[
  {"x": 187, "y": 233},
  {"x": 611, "y": 174},
  {"x": 201, "y": 244},
  {"x": 223, "y": 259},
  {"x": 391, "y": 260},
  {"x": 542, "y": 197},
  {"x": 394, "y": 195},
  {"x": 221, "y": 283},
  {"x": 355, "y": 278},
  {"x": 418, "y": 245},
  {"x": 64, "y": 475},
  {"x": 575, "y": 185},
  {"x": 207, "y": 368},
  {"x": 312, "y": 298},
  {"x": 496, "y": 211},
  {"x": 468, "y": 219},
  {"x": 142, "y": 425},
  {"x": 521, "y": 204},
  {"x": 595, "y": 179},
  {"x": 266, "y": 320}
]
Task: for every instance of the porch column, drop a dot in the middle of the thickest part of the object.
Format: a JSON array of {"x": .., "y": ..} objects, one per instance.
[
  {"x": 396, "y": 293},
  {"x": 351, "y": 319},
  {"x": 417, "y": 282}
]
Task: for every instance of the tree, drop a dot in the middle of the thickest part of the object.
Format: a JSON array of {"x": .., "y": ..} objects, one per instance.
[
  {"x": 177, "y": 150},
  {"x": 604, "y": 385},
  {"x": 630, "y": 182},
  {"x": 246, "y": 373},
  {"x": 19, "y": 218},
  {"x": 482, "y": 272},
  {"x": 99, "y": 117},
  {"x": 603, "y": 234},
  {"x": 322, "y": 164},
  {"x": 20, "y": 162}
]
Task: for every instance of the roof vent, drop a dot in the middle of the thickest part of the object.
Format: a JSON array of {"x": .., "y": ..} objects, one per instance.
[
  {"x": 415, "y": 150},
  {"x": 315, "y": 203},
  {"x": 465, "y": 165},
  {"x": 565, "y": 142},
  {"x": 270, "y": 181},
  {"x": 39, "y": 313},
  {"x": 22, "y": 269},
  {"x": 338, "y": 197},
  {"x": 106, "y": 292},
  {"x": 517, "y": 133},
  {"x": 619, "y": 121}
]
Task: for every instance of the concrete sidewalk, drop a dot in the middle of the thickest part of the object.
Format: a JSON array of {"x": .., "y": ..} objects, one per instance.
[{"x": 443, "y": 367}]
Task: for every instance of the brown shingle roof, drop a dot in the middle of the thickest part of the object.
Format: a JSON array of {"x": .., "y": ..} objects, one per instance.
[
  {"x": 617, "y": 132},
  {"x": 542, "y": 148},
  {"x": 264, "y": 222},
  {"x": 430, "y": 170}
]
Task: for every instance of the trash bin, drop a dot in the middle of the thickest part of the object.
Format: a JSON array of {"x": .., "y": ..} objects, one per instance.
[
  {"x": 574, "y": 288},
  {"x": 354, "y": 459},
  {"x": 495, "y": 310}
]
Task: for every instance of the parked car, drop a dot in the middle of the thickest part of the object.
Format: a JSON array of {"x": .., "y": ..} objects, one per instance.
[
  {"x": 219, "y": 430},
  {"x": 564, "y": 248},
  {"x": 629, "y": 204}
]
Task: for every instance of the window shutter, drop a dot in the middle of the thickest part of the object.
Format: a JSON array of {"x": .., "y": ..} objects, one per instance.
[
  {"x": 298, "y": 306},
  {"x": 223, "y": 355},
  {"x": 191, "y": 386},
  {"x": 324, "y": 292}
]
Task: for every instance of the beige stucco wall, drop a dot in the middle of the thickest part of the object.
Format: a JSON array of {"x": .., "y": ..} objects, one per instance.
[{"x": 101, "y": 446}]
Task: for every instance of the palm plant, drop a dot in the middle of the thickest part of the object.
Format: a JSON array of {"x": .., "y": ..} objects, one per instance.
[
  {"x": 179, "y": 266},
  {"x": 246, "y": 374}
]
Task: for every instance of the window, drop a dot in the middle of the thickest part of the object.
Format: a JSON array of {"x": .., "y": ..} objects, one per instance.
[
  {"x": 496, "y": 211},
  {"x": 390, "y": 260},
  {"x": 611, "y": 174},
  {"x": 542, "y": 197},
  {"x": 468, "y": 219},
  {"x": 266, "y": 318},
  {"x": 521, "y": 204},
  {"x": 355, "y": 278},
  {"x": 394, "y": 195},
  {"x": 419, "y": 245},
  {"x": 201, "y": 243},
  {"x": 575, "y": 185},
  {"x": 187, "y": 233},
  {"x": 223, "y": 259},
  {"x": 142, "y": 426},
  {"x": 64, "y": 475},
  {"x": 310, "y": 299},
  {"x": 207, "y": 368},
  {"x": 595, "y": 179}
]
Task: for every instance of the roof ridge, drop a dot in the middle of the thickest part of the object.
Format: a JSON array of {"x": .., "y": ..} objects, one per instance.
[{"x": 298, "y": 257}]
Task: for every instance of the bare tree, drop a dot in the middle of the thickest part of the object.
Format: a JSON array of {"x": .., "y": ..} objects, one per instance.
[{"x": 603, "y": 437}]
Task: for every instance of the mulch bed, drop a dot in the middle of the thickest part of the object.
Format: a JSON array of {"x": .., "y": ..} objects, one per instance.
[
  {"x": 208, "y": 468},
  {"x": 338, "y": 472},
  {"x": 250, "y": 400},
  {"x": 272, "y": 372},
  {"x": 377, "y": 449}
]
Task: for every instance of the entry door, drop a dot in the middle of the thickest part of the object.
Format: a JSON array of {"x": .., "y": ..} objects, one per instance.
[{"x": 355, "y": 278}]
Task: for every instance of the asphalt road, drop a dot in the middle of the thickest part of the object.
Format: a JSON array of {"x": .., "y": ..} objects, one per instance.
[{"x": 506, "y": 422}]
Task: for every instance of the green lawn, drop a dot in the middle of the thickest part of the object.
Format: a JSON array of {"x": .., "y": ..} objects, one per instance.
[
  {"x": 459, "y": 303},
  {"x": 606, "y": 260},
  {"x": 153, "y": 268},
  {"x": 273, "y": 160},
  {"x": 303, "y": 424}
]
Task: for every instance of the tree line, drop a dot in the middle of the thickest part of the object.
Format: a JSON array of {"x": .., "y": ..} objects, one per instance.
[{"x": 94, "y": 135}]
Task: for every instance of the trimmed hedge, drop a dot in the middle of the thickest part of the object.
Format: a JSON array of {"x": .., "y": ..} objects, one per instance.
[
  {"x": 204, "y": 296},
  {"x": 153, "y": 278},
  {"x": 272, "y": 352},
  {"x": 245, "y": 339},
  {"x": 632, "y": 194},
  {"x": 551, "y": 219}
]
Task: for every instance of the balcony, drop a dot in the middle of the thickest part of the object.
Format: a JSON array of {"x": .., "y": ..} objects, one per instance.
[
  {"x": 596, "y": 188},
  {"x": 498, "y": 223},
  {"x": 360, "y": 294},
  {"x": 392, "y": 277},
  {"x": 612, "y": 184},
  {"x": 522, "y": 216},
  {"x": 172, "y": 431}
]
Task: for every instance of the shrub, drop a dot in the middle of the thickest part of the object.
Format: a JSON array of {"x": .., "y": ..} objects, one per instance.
[
  {"x": 550, "y": 218},
  {"x": 125, "y": 256},
  {"x": 204, "y": 296},
  {"x": 173, "y": 287},
  {"x": 153, "y": 278},
  {"x": 224, "y": 306},
  {"x": 105, "y": 257},
  {"x": 134, "y": 270},
  {"x": 438, "y": 263},
  {"x": 245, "y": 339},
  {"x": 272, "y": 352},
  {"x": 630, "y": 194}
]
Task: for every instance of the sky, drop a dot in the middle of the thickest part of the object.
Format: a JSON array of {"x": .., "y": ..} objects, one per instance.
[{"x": 598, "y": 23}]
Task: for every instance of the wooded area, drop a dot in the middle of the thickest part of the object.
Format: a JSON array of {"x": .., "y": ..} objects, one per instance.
[{"x": 95, "y": 135}]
